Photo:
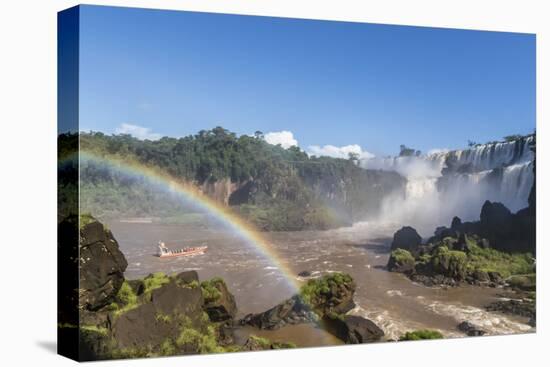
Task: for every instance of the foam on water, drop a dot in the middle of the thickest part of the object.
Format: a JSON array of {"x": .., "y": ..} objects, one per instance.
[{"x": 492, "y": 323}]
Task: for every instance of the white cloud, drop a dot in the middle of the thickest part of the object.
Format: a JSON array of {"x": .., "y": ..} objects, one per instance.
[
  {"x": 339, "y": 152},
  {"x": 285, "y": 138},
  {"x": 136, "y": 131}
]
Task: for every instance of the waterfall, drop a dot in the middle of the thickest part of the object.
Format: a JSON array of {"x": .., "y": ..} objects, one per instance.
[{"x": 444, "y": 184}]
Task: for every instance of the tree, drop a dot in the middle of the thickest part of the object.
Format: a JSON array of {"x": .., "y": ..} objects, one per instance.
[
  {"x": 405, "y": 151},
  {"x": 354, "y": 157}
]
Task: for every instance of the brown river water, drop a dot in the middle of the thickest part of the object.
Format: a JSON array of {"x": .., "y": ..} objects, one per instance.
[{"x": 391, "y": 300}]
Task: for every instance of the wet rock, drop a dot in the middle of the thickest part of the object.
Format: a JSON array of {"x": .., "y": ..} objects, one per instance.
[
  {"x": 102, "y": 266},
  {"x": 470, "y": 329},
  {"x": 407, "y": 239},
  {"x": 305, "y": 274},
  {"x": 353, "y": 329}
]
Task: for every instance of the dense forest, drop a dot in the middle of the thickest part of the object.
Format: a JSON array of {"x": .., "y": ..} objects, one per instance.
[{"x": 275, "y": 188}]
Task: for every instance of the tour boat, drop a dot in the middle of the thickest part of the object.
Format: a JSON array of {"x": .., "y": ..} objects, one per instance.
[{"x": 163, "y": 251}]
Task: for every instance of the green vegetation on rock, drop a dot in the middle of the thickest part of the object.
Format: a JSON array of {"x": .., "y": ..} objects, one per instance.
[
  {"x": 210, "y": 291},
  {"x": 506, "y": 264},
  {"x": 421, "y": 335},
  {"x": 125, "y": 301},
  {"x": 154, "y": 281},
  {"x": 449, "y": 262},
  {"x": 402, "y": 256},
  {"x": 317, "y": 293},
  {"x": 85, "y": 219}
]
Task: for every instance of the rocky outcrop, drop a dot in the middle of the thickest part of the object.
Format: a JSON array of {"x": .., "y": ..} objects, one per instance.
[
  {"x": 465, "y": 251},
  {"x": 290, "y": 312},
  {"x": 324, "y": 302},
  {"x": 353, "y": 329},
  {"x": 161, "y": 313},
  {"x": 401, "y": 261},
  {"x": 498, "y": 227},
  {"x": 155, "y": 316},
  {"x": 102, "y": 265},
  {"x": 220, "y": 305},
  {"x": 407, "y": 238}
]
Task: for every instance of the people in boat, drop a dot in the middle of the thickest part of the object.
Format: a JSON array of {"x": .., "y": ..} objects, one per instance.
[{"x": 162, "y": 248}]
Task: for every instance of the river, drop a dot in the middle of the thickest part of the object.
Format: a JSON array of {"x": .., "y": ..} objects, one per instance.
[{"x": 391, "y": 300}]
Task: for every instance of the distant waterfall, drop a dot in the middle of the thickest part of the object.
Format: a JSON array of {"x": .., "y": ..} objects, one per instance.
[{"x": 445, "y": 184}]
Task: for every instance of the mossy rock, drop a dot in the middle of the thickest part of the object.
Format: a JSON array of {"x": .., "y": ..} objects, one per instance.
[
  {"x": 329, "y": 293},
  {"x": 401, "y": 261}
]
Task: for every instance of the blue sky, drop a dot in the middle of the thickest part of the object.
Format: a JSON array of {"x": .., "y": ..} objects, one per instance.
[{"x": 155, "y": 73}]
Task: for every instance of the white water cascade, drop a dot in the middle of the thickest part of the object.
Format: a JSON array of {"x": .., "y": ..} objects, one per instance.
[{"x": 442, "y": 185}]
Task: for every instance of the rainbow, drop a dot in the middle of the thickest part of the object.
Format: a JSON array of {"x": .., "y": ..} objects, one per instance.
[{"x": 190, "y": 193}]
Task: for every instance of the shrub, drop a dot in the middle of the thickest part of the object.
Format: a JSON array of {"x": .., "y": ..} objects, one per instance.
[{"x": 421, "y": 335}]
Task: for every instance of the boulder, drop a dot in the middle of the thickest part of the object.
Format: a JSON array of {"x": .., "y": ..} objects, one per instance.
[
  {"x": 480, "y": 276},
  {"x": 401, "y": 261},
  {"x": 222, "y": 307},
  {"x": 353, "y": 329},
  {"x": 304, "y": 274},
  {"x": 470, "y": 329},
  {"x": 159, "y": 316},
  {"x": 449, "y": 263},
  {"x": 407, "y": 239},
  {"x": 330, "y": 294},
  {"x": 292, "y": 311},
  {"x": 102, "y": 266}
]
